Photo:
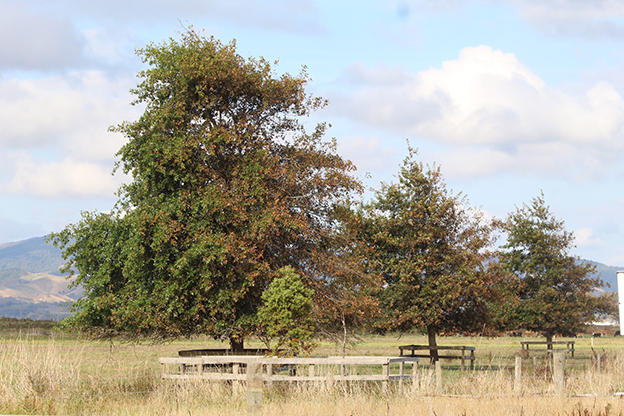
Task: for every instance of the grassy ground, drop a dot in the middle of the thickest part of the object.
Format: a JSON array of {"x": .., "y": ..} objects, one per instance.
[{"x": 61, "y": 375}]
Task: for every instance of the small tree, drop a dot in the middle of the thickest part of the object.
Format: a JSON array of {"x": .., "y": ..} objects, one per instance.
[
  {"x": 553, "y": 292},
  {"x": 287, "y": 314},
  {"x": 432, "y": 253}
]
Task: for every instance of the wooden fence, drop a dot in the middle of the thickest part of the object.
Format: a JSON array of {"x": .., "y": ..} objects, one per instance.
[{"x": 234, "y": 368}]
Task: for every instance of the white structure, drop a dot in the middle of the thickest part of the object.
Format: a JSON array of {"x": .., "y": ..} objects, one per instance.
[{"x": 620, "y": 285}]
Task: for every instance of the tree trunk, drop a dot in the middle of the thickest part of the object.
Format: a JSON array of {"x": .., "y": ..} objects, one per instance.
[
  {"x": 431, "y": 334},
  {"x": 236, "y": 345},
  {"x": 549, "y": 338}
]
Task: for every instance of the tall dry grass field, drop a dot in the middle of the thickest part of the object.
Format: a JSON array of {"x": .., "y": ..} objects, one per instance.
[{"x": 65, "y": 376}]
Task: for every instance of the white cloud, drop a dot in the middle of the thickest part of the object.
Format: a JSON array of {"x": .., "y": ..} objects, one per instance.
[
  {"x": 498, "y": 115},
  {"x": 586, "y": 238},
  {"x": 53, "y": 134},
  {"x": 368, "y": 153},
  {"x": 110, "y": 45},
  {"x": 299, "y": 16},
  {"x": 591, "y": 19},
  {"x": 37, "y": 40},
  {"x": 68, "y": 113},
  {"x": 57, "y": 180}
]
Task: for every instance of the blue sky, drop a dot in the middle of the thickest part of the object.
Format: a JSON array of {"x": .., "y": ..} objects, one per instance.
[{"x": 510, "y": 98}]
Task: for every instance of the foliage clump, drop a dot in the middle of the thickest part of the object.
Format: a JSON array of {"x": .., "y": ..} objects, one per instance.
[{"x": 287, "y": 314}]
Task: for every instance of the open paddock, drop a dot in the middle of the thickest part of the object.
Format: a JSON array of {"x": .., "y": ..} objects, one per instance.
[{"x": 68, "y": 376}]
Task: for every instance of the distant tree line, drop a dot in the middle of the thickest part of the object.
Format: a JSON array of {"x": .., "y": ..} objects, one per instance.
[
  {"x": 15, "y": 309},
  {"x": 18, "y": 324}
]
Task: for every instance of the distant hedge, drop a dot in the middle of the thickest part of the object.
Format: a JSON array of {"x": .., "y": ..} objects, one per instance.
[{"x": 25, "y": 323}]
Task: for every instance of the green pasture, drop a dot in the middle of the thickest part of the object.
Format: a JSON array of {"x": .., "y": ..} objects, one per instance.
[{"x": 490, "y": 352}]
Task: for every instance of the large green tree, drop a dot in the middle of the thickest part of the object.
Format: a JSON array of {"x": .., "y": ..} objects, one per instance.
[
  {"x": 227, "y": 188},
  {"x": 553, "y": 292},
  {"x": 432, "y": 250}
]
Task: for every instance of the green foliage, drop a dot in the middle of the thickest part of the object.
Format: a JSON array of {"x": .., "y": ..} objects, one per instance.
[
  {"x": 227, "y": 188},
  {"x": 553, "y": 291},
  {"x": 431, "y": 250},
  {"x": 286, "y": 313}
]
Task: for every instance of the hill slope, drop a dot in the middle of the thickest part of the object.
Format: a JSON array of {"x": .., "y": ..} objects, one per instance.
[
  {"x": 32, "y": 255},
  {"x": 608, "y": 274},
  {"x": 30, "y": 284}
]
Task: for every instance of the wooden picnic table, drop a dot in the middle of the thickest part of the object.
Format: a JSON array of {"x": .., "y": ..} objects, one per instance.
[
  {"x": 461, "y": 348},
  {"x": 549, "y": 345}
]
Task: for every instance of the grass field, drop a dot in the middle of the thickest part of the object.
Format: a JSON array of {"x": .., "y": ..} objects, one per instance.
[{"x": 54, "y": 374}]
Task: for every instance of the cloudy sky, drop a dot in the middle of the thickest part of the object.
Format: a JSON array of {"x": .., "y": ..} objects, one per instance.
[{"x": 510, "y": 98}]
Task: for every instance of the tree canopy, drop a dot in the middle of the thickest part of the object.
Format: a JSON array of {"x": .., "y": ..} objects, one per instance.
[
  {"x": 431, "y": 249},
  {"x": 227, "y": 188},
  {"x": 553, "y": 292}
]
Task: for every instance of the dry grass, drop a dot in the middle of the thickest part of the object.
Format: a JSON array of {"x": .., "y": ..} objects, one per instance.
[{"x": 66, "y": 376}]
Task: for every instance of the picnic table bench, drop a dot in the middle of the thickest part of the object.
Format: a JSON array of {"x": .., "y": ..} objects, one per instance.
[
  {"x": 527, "y": 344},
  {"x": 461, "y": 348}
]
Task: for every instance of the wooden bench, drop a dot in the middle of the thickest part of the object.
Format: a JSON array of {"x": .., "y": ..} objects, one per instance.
[
  {"x": 461, "y": 348},
  {"x": 222, "y": 351},
  {"x": 549, "y": 345}
]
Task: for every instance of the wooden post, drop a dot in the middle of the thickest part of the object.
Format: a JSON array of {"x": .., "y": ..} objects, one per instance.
[
  {"x": 402, "y": 373},
  {"x": 415, "y": 380},
  {"x": 599, "y": 363},
  {"x": 518, "y": 373},
  {"x": 254, "y": 388},
  {"x": 386, "y": 374},
  {"x": 438, "y": 370},
  {"x": 236, "y": 385},
  {"x": 472, "y": 359},
  {"x": 463, "y": 359},
  {"x": 270, "y": 375},
  {"x": 558, "y": 373}
]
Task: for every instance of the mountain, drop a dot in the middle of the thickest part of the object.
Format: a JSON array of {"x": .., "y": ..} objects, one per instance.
[
  {"x": 608, "y": 274},
  {"x": 30, "y": 283},
  {"x": 32, "y": 255}
]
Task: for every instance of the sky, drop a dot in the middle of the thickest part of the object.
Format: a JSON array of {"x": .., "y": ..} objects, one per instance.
[{"x": 510, "y": 98}]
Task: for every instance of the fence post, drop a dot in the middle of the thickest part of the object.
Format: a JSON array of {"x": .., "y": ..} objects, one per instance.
[
  {"x": 438, "y": 370},
  {"x": 599, "y": 363},
  {"x": 518, "y": 374},
  {"x": 269, "y": 375},
  {"x": 402, "y": 373},
  {"x": 254, "y": 388},
  {"x": 386, "y": 374},
  {"x": 415, "y": 379},
  {"x": 559, "y": 359}
]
